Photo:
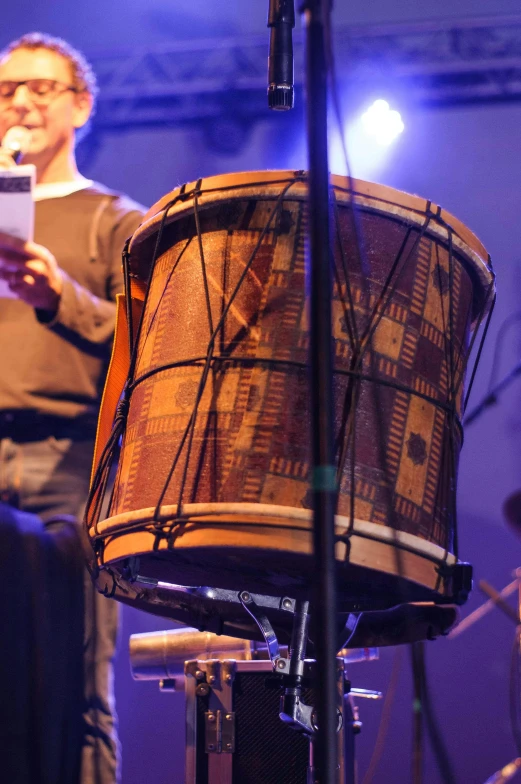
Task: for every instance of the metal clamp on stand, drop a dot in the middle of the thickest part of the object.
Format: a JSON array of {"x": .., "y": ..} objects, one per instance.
[
  {"x": 293, "y": 711},
  {"x": 265, "y": 627}
]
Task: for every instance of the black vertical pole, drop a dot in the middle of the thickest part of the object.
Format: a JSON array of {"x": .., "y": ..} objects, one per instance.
[{"x": 323, "y": 471}]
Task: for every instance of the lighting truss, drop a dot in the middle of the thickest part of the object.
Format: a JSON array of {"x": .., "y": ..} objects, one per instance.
[{"x": 461, "y": 61}]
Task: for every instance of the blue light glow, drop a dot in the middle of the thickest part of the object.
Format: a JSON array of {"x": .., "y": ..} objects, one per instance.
[
  {"x": 369, "y": 139},
  {"x": 382, "y": 123}
]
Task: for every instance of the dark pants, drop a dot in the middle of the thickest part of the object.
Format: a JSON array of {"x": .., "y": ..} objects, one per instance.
[{"x": 51, "y": 477}]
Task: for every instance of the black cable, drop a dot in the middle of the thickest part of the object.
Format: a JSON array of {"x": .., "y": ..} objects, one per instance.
[
  {"x": 488, "y": 305},
  {"x": 385, "y": 721},
  {"x": 372, "y": 322},
  {"x": 417, "y": 653},
  {"x": 94, "y": 695},
  {"x": 490, "y": 297},
  {"x": 436, "y": 739},
  {"x": 498, "y": 345}
]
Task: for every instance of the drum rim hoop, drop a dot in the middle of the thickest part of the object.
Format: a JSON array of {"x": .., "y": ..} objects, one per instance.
[
  {"x": 362, "y": 188},
  {"x": 383, "y": 199},
  {"x": 383, "y": 534}
]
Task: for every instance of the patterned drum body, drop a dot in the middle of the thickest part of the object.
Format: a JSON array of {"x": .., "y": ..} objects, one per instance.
[{"x": 219, "y": 415}]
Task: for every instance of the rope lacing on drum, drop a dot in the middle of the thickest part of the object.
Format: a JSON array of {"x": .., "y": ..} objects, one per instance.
[
  {"x": 123, "y": 405},
  {"x": 189, "y": 431},
  {"x": 360, "y": 343},
  {"x": 250, "y": 362},
  {"x": 101, "y": 477},
  {"x": 346, "y": 439},
  {"x": 102, "y": 474},
  {"x": 100, "y": 480}
]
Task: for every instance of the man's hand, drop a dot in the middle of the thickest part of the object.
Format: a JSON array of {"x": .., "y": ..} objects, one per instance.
[
  {"x": 31, "y": 272},
  {"x": 6, "y": 160}
]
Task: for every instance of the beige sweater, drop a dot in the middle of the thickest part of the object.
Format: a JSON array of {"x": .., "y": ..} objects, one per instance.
[{"x": 57, "y": 366}]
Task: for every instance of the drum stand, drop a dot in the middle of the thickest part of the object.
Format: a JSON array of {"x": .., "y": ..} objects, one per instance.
[
  {"x": 234, "y": 706},
  {"x": 251, "y": 708}
]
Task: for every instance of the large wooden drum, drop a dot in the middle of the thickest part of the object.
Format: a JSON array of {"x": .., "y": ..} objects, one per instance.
[{"x": 212, "y": 485}]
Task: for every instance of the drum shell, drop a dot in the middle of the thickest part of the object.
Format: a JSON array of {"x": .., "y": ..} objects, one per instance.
[
  {"x": 213, "y": 480},
  {"x": 251, "y": 438}
]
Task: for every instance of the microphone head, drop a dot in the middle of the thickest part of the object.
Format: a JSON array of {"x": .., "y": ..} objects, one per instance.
[
  {"x": 17, "y": 140},
  {"x": 280, "y": 97}
]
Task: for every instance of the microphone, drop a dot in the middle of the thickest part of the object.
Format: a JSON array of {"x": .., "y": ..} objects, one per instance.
[
  {"x": 506, "y": 773},
  {"x": 17, "y": 141},
  {"x": 281, "y": 21}
]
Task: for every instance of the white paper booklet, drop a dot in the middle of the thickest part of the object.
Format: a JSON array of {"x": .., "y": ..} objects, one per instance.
[{"x": 17, "y": 207}]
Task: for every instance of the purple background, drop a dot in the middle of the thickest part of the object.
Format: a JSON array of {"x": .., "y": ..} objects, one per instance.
[{"x": 466, "y": 159}]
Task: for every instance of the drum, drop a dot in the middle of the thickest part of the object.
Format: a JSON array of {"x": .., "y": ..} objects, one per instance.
[{"x": 212, "y": 484}]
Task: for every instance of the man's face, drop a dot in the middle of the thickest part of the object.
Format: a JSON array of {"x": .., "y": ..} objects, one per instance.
[{"x": 52, "y": 126}]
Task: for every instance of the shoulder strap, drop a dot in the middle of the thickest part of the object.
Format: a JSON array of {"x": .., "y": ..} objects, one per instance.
[{"x": 117, "y": 373}]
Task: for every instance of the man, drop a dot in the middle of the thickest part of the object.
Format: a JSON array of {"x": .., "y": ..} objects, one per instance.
[{"x": 56, "y": 329}]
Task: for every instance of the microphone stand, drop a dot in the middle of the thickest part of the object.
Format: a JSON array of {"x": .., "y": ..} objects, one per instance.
[
  {"x": 323, "y": 477},
  {"x": 319, "y": 284}
]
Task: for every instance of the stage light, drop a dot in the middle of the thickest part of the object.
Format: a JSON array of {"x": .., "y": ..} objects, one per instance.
[
  {"x": 382, "y": 123},
  {"x": 371, "y": 136}
]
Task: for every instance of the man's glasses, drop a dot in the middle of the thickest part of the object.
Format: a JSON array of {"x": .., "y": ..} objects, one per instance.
[{"x": 41, "y": 91}]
